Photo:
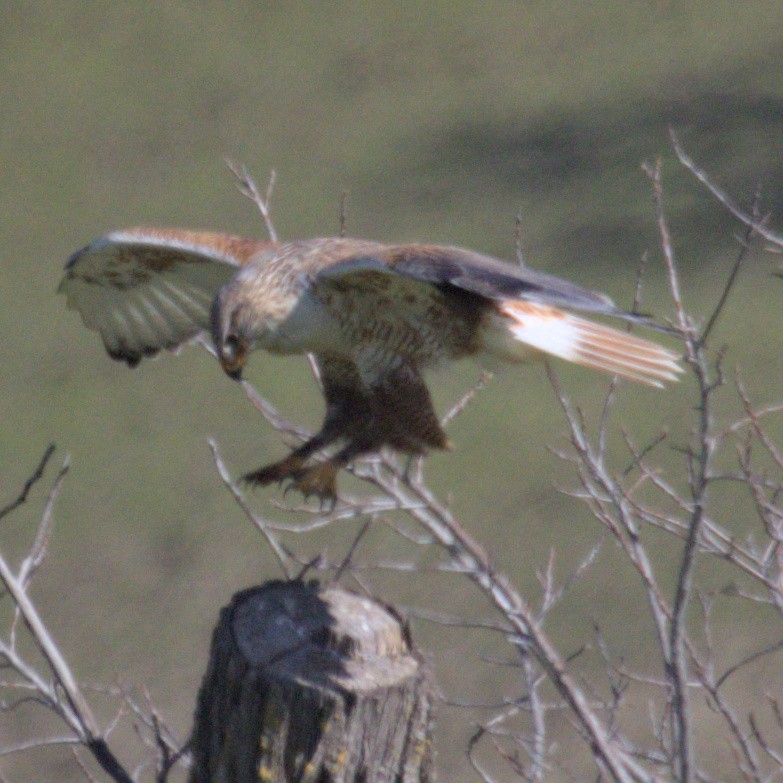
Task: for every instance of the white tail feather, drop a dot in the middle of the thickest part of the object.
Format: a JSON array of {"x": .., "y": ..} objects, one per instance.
[{"x": 521, "y": 331}]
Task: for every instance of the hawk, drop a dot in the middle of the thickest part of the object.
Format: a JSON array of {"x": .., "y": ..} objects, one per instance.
[{"x": 373, "y": 316}]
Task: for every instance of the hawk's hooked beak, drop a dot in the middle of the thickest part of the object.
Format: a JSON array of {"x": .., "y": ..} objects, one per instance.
[{"x": 233, "y": 357}]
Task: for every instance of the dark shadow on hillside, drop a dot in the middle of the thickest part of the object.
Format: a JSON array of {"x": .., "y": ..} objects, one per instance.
[{"x": 587, "y": 164}]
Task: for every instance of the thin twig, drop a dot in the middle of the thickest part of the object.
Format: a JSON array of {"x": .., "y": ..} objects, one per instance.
[
  {"x": 538, "y": 767},
  {"x": 39, "y": 546},
  {"x": 729, "y": 282},
  {"x": 351, "y": 551},
  {"x": 773, "y": 648},
  {"x": 248, "y": 188},
  {"x": 466, "y": 398},
  {"x": 29, "y": 483},
  {"x": 279, "y": 552},
  {"x": 748, "y": 220},
  {"x": 43, "y": 742}
]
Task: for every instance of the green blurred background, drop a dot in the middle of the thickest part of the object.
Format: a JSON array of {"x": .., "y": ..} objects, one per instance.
[{"x": 441, "y": 120}]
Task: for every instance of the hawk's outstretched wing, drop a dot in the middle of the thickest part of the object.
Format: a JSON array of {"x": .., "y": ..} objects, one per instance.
[
  {"x": 480, "y": 274},
  {"x": 144, "y": 289},
  {"x": 526, "y": 314}
]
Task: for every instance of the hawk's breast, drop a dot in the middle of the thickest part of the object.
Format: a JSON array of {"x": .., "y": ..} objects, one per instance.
[
  {"x": 310, "y": 326},
  {"x": 419, "y": 321}
]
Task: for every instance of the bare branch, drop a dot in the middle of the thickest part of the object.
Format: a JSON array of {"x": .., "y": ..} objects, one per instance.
[
  {"x": 749, "y": 220},
  {"x": 472, "y": 558},
  {"x": 699, "y": 468},
  {"x": 279, "y": 552},
  {"x": 248, "y": 188},
  {"x": 58, "y": 690},
  {"x": 39, "y": 546},
  {"x": 82, "y": 719},
  {"x": 28, "y": 485},
  {"x": 744, "y": 243}
]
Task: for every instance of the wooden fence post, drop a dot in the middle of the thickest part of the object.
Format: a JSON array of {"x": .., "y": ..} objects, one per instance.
[{"x": 312, "y": 685}]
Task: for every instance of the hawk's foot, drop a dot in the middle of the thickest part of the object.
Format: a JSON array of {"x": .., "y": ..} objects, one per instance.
[
  {"x": 319, "y": 480},
  {"x": 288, "y": 468}
]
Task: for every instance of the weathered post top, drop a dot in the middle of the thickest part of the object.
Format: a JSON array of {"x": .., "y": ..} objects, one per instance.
[{"x": 311, "y": 684}]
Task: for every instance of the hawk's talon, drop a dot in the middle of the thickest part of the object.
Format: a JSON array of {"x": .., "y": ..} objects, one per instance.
[
  {"x": 318, "y": 481},
  {"x": 287, "y": 485}
]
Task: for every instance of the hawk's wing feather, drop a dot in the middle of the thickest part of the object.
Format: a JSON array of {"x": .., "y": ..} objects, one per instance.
[
  {"x": 147, "y": 289},
  {"x": 474, "y": 272},
  {"x": 530, "y": 309}
]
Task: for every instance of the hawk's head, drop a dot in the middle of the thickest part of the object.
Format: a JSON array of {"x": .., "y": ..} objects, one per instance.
[
  {"x": 247, "y": 314},
  {"x": 234, "y": 328}
]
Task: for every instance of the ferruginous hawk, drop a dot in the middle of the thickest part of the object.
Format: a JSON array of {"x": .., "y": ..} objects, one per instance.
[{"x": 373, "y": 316}]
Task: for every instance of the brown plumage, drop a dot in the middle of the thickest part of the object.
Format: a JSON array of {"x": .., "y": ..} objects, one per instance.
[{"x": 373, "y": 315}]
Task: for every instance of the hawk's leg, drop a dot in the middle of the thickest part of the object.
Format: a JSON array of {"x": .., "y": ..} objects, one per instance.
[
  {"x": 347, "y": 413},
  {"x": 397, "y": 411},
  {"x": 392, "y": 409},
  {"x": 290, "y": 466},
  {"x": 321, "y": 479},
  {"x": 337, "y": 424}
]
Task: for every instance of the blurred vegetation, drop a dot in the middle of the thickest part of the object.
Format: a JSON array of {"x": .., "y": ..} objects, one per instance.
[{"x": 442, "y": 120}]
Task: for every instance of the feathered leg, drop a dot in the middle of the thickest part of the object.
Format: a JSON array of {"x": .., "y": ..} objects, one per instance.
[
  {"x": 347, "y": 407},
  {"x": 395, "y": 410}
]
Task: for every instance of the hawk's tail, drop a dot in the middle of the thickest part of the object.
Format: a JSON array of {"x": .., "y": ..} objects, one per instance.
[{"x": 519, "y": 326}]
